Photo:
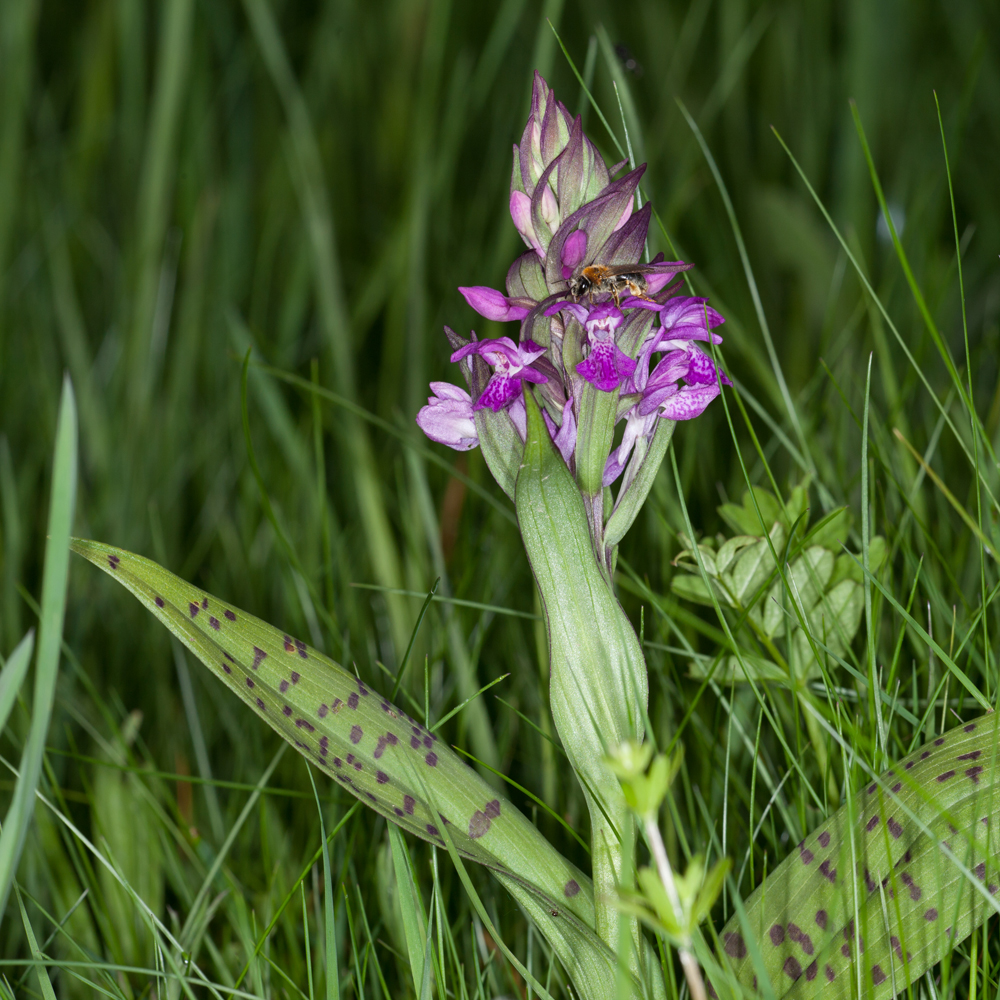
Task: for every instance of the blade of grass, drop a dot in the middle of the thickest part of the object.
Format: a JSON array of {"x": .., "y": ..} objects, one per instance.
[
  {"x": 44, "y": 983},
  {"x": 413, "y": 636},
  {"x": 948, "y": 495},
  {"x": 414, "y": 918},
  {"x": 329, "y": 920},
  {"x": 54, "y": 581},
  {"x": 459, "y": 602},
  {"x": 968, "y": 368},
  {"x": 13, "y": 673}
]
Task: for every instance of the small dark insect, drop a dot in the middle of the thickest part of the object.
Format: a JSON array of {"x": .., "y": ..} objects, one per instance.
[
  {"x": 614, "y": 279},
  {"x": 554, "y": 913}
]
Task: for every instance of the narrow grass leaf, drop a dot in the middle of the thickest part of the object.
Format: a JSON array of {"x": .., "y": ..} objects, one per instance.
[
  {"x": 414, "y": 920},
  {"x": 12, "y": 675},
  {"x": 56, "y": 574},
  {"x": 948, "y": 495},
  {"x": 41, "y": 971},
  {"x": 329, "y": 922}
]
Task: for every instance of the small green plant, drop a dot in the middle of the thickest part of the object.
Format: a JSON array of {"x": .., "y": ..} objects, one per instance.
[{"x": 803, "y": 617}]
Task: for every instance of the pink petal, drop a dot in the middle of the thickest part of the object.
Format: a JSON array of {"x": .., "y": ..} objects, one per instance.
[
  {"x": 492, "y": 304},
  {"x": 626, "y": 215},
  {"x": 689, "y": 402},
  {"x": 574, "y": 250}
]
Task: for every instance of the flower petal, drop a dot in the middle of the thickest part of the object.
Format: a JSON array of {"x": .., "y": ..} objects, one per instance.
[
  {"x": 447, "y": 418},
  {"x": 492, "y": 304},
  {"x": 499, "y": 391},
  {"x": 520, "y": 212},
  {"x": 574, "y": 250},
  {"x": 688, "y": 402}
]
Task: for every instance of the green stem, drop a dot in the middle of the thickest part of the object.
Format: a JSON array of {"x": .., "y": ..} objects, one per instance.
[{"x": 598, "y": 682}]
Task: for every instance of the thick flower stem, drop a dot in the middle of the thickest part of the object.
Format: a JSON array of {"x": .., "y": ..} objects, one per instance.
[{"x": 598, "y": 681}]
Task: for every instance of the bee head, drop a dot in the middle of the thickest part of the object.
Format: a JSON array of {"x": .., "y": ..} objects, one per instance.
[{"x": 579, "y": 286}]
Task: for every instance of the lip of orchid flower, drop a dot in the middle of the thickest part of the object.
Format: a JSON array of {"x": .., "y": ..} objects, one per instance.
[
  {"x": 607, "y": 366},
  {"x": 448, "y": 418},
  {"x": 663, "y": 396},
  {"x": 495, "y": 305},
  {"x": 510, "y": 363}
]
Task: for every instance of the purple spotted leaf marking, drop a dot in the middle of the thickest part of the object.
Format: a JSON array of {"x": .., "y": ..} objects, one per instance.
[
  {"x": 792, "y": 968},
  {"x": 478, "y": 825},
  {"x": 734, "y": 945},
  {"x": 800, "y": 937}
]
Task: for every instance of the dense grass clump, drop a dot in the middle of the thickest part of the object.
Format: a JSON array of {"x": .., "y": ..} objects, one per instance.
[{"x": 183, "y": 182}]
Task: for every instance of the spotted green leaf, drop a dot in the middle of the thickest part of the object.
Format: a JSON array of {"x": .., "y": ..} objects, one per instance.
[
  {"x": 881, "y": 890},
  {"x": 378, "y": 753}
]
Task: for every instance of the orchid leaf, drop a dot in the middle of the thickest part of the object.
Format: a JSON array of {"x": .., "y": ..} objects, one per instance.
[
  {"x": 886, "y": 886},
  {"x": 389, "y": 761}
]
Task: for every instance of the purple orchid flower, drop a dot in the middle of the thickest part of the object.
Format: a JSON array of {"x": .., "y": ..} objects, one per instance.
[
  {"x": 448, "y": 418},
  {"x": 607, "y": 366},
  {"x": 664, "y": 397},
  {"x": 510, "y": 363},
  {"x": 682, "y": 319}
]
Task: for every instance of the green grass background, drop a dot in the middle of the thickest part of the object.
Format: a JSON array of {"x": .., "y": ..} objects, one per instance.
[{"x": 181, "y": 181}]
